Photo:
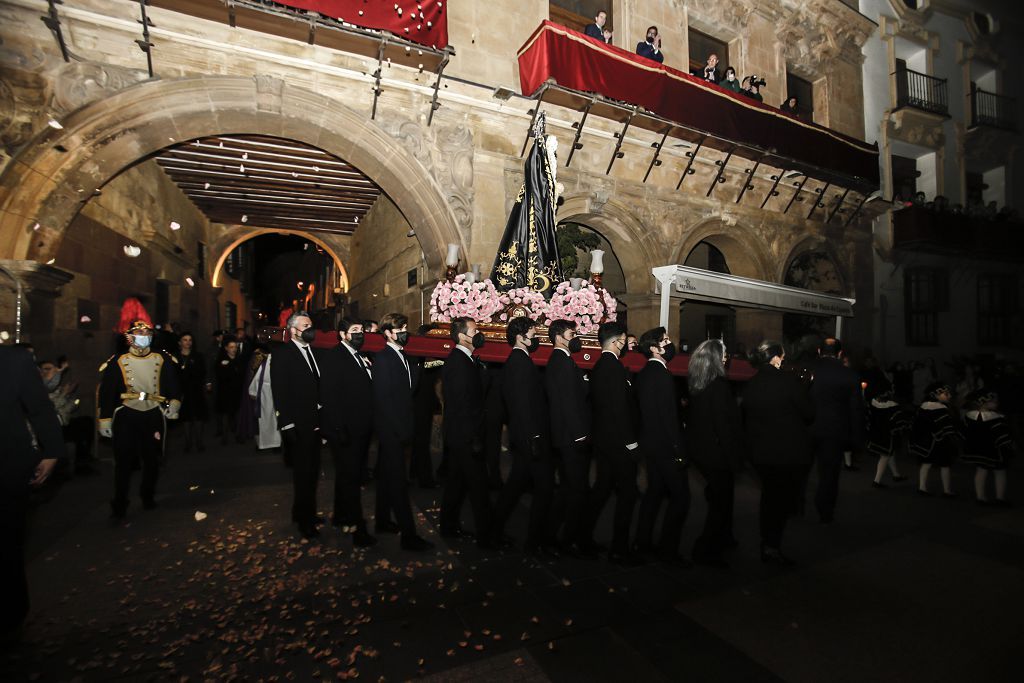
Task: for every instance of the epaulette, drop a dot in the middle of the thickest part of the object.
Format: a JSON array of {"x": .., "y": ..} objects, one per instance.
[
  {"x": 173, "y": 359},
  {"x": 103, "y": 365}
]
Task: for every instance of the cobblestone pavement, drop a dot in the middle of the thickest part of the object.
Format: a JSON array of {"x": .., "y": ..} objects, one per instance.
[{"x": 215, "y": 585}]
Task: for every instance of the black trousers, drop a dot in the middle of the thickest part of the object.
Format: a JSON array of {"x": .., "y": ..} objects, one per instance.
[
  {"x": 421, "y": 466},
  {"x": 781, "y": 497},
  {"x": 494, "y": 422},
  {"x": 717, "y": 534},
  {"x": 303, "y": 446},
  {"x": 347, "y": 456},
  {"x": 138, "y": 438},
  {"x": 569, "y": 507},
  {"x": 666, "y": 478},
  {"x": 527, "y": 470},
  {"x": 80, "y": 431},
  {"x": 13, "y": 518},
  {"x": 616, "y": 472},
  {"x": 828, "y": 454},
  {"x": 466, "y": 476},
  {"x": 392, "y": 485}
]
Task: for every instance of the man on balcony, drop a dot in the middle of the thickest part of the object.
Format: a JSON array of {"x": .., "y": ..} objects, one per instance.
[
  {"x": 651, "y": 48},
  {"x": 710, "y": 70},
  {"x": 597, "y": 29}
]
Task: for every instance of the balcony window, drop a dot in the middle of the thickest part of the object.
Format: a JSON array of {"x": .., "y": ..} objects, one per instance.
[
  {"x": 577, "y": 14},
  {"x": 920, "y": 91},
  {"x": 990, "y": 109},
  {"x": 997, "y": 303},
  {"x": 804, "y": 93},
  {"x": 702, "y": 45},
  {"x": 926, "y": 293}
]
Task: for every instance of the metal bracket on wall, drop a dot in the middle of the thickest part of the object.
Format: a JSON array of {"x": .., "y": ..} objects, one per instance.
[
  {"x": 796, "y": 194},
  {"x": 655, "y": 161},
  {"x": 835, "y": 209},
  {"x": 52, "y": 21},
  {"x": 689, "y": 164},
  {"x": 774, "y": 192},
  {"x": 377, "y": 76},
  {"x": 721, "y": 163},
  {"x": 578, "y": 125},
  {"x": 435, "y": 104},
  {"x": 856, "y": 211},
  {"x": 620, "y": 137},
  {"x": 748, "y": 184},
  {"x": 145, "y": 45},
  {"x": 819, "y": 201},
  {"x": 232, "y": 19}
]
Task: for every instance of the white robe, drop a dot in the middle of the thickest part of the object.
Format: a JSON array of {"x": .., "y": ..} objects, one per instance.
[{"x": 267, "y": 436}]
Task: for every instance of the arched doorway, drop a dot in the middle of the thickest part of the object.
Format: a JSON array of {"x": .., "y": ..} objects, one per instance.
[
  {"x": 575, "y": 242},
  {"x": 813, "y": 269},
  {"x": 698, "y": 320}
]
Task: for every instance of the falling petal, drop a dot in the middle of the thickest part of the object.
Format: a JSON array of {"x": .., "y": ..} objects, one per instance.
[{"x": 200, "y": 516}]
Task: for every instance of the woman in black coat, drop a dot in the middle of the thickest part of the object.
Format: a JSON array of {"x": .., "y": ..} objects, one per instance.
[
  {"x": 777, "y": 413},
  {"x": 193, "y": 413},
  {"x": 230, "y": 375},
  {"x": 712, "y": 438}
]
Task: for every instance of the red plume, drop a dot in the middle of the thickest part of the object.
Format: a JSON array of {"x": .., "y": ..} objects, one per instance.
[{"x": 131, "y": 310}]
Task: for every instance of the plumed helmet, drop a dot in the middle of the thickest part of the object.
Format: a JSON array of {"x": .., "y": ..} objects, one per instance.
[{"x": 133, "y": 317}]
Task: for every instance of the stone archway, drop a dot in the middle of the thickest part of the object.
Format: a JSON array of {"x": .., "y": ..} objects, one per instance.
[
  {"x": 252, "y": 233},
  {"x": 743, "y": 249},
  {"x": 817, "y": 245},
  {"x": 52, "y": 178}
]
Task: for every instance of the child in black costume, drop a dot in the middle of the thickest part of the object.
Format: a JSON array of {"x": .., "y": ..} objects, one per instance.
[
  {"x": 935, "y": 437},
  {"x": 887, "y": 422},
  {"x": 988, "y": 445}
]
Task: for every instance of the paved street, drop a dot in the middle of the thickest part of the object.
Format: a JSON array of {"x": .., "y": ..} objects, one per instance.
[{"x": 899, "y": 588}]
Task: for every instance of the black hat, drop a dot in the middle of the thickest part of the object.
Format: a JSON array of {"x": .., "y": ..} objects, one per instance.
[{"x": 936, "y": 388}]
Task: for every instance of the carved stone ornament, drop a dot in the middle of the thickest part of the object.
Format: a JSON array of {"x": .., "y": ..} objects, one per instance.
[
  {"x": 76, "y": 84},
  {"x": 917, "y": 128},
  {"x": 8, "y": 108},
  {"x": 269, "y": 93},
  {"x": 819, "y": 32}
]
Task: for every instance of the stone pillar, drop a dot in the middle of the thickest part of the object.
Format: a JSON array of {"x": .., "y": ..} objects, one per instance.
[{"x": 754, "y": 326}]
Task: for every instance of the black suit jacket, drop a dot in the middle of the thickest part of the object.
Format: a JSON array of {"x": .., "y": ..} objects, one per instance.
[
  {"x": 392, "y": 396},
  {"x": 614, "y": 406},
  {"x": 463, "y": 391},
  {"x": 645, "y": 49},
  {"x": 567, "y": 397},
  {"x": 835, "y": 392},
  {"x": 346, "y": 394},
  {"x": 777, "y": 413},
  {"x": 713, "y": 428},
  {"x": 23, "y": 402},
  {"x": 525, "y": 401},
  {"x": 660, "y": 435},
  {"x": 595, "y": 31},
  {"x": 294, "y": 387}
]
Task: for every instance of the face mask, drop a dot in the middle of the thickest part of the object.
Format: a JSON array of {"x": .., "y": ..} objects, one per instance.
[
  {"x": 623, "y": 350},
  {"x": 575, "y": 345},
  {"x": 478, "y": 340},
  {"x": 532, "y": 344},
  {"x": 308, "y": 335},
  {"x": 402, "y": 338},
  {"x": 356, "y": 340},
  {"x": 142, "y": 340},
  {"x": 650, "y": 39},
  {"x": 668, "y": 352},
  {"x": 53, "y": 382}
]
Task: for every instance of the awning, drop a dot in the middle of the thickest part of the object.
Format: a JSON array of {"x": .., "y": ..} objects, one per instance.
[{"x": 684, "y": 282}]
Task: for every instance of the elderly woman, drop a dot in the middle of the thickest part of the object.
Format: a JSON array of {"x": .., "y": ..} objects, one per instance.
[
  {"x": 713, "y": 429},
  {"x": 777, "y": 413}
]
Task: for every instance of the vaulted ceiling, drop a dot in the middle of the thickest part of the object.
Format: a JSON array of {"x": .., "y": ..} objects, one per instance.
[{"x": 270, "y": 182}]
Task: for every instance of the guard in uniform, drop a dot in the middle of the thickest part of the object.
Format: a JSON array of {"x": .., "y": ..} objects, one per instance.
[{"x": 138, "y": 394}]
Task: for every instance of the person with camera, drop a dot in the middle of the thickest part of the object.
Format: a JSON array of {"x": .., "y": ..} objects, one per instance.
[
  {"x": 751, "y": 87},
  {"x": 651, "y": 48}
]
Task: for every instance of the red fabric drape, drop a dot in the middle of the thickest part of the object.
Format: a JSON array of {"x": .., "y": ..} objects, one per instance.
[
  {"x": 580, "y": 63},
  {"x": 425, "y": 22}
]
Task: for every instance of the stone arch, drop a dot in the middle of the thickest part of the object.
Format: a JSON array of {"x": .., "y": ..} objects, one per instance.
[
  {"x": 633, "y": 244},
  {"x": 820, "y": 244},
  {"x": 251, "y": 233},
  {"x": 55, "y": 175},
  {"x": 744, "y": 250}
]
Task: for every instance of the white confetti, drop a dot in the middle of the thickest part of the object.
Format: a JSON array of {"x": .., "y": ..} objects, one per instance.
[{"x": 200, "y": 516}]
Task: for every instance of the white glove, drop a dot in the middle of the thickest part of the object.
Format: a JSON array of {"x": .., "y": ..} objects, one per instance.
[
  {"x": 170, "y": 413},
  {"x": 106, "y": 432}
]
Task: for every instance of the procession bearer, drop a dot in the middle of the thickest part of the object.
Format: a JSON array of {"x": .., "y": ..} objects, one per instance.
[{"x": 138, "y": 394}]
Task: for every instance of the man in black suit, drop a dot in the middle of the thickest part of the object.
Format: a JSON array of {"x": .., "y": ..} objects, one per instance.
[
  {"x": 527, "y": 410},
  {"x": 661, "y": 441},
  {"x": 425, "y": 403},
  {"x": 347, "y": 423},
  {"x": 463, "y": 398},
  {"x": 838, "y": 421},
  {"x": 710, "y": 70},
  {"x": 614, "y": 437},
  {"x": 393, "y": 384},
  {"x": 23, "y": 402},
  {"x": 597, "y": 29},
  {"x": 570, "y": 432},
  {"x": 651, "y": 48},
  {"x": 295, "y": 382}
]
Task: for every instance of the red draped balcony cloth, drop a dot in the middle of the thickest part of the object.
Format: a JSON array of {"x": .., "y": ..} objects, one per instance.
[
  {"x": 580, "y": 63},
  {"x": 422, "y": 22}
]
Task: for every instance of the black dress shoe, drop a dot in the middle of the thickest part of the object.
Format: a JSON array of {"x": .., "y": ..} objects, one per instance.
[
  {"x": 362, "y": 539},
  {"x": 710, "y": 561},
  {"x": 387, "y": 527},
  {"x": 677, "y": 561},
  {"x": 149, "y": 505},
  {"x": 319, "y": 520},
  {"x": 309, "y": 531},
  {"x": 624, "y": 559},
  {"x": 851, "y": 468},
  {"x": 899, "y": 477},
  {"x": 118, "y": 511},
  {"x": 878, "y": 485},
  {"x": 923, "y": 492},
  {"x": 581, "y": 551},
  {"x": 415, "y": 543},
  {"x": 949, "y": 495},
  {"x": 776, "y": 557}
]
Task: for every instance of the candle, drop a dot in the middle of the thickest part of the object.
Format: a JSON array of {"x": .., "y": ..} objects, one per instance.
[
  {"x": 597, "y": 261},
  {"x": 576, "y": 283},
  {"x": 453, "y": 255}
]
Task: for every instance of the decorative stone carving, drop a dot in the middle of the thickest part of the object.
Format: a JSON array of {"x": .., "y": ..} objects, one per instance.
[
  {"x": 8, "y": 108},
  {"x": 916, "y": 127},
  {"x": 269, "y": 92},
  {"x": 76, "y": 84},
  {"x": 598, "y": 198},
  {"x": 817, "y": 32}
]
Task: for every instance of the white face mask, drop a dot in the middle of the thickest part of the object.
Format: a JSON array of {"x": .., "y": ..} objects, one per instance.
[{"x": 142, "y": 340}]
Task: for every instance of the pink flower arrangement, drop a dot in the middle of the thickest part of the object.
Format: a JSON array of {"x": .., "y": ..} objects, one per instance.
[
  {"x": 525, "y": 297},
  {"x": 588, "y": 307},
  {"x": 479, "y": 300}
]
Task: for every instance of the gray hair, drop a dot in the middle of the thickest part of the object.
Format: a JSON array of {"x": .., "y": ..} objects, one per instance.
[
  {"x": 706, "y": 365},
  {"x": 294, "y": 317}
]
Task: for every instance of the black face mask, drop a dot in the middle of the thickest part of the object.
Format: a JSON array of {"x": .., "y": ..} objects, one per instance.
[
  {"x": 575, "y": 345},
  {"x": 623, "y": 350},
  {"x": 356, "y": 340},
  {"x": 478, "y": 340},
  {"x": 532, "y": 344},
  {"x": 308, "y": 335},
  {"x": 669, "y": 352},
  {"x": 402, "y": 338}
]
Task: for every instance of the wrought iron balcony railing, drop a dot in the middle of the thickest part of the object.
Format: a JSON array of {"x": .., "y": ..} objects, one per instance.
[
  {"x": 921, "y": 91},
  {"x": 990, "y": 109}
]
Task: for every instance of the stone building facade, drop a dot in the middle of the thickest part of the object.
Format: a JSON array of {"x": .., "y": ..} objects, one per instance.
[{"x": 446, "y": 178}]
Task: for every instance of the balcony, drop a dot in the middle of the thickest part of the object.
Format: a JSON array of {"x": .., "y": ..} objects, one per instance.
[
  {"x": 916, "y": 228},
  {"x": 990, "y": 109},
  {"x": 921, "y": 91}
]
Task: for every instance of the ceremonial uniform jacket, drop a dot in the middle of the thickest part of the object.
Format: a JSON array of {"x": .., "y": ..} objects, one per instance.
[
  {"x": 138, "y": 383},
  {"x": 886, "y": 420}
]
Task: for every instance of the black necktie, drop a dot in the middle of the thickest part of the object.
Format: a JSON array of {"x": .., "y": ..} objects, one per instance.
[{"x": 312, "y": 364}]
